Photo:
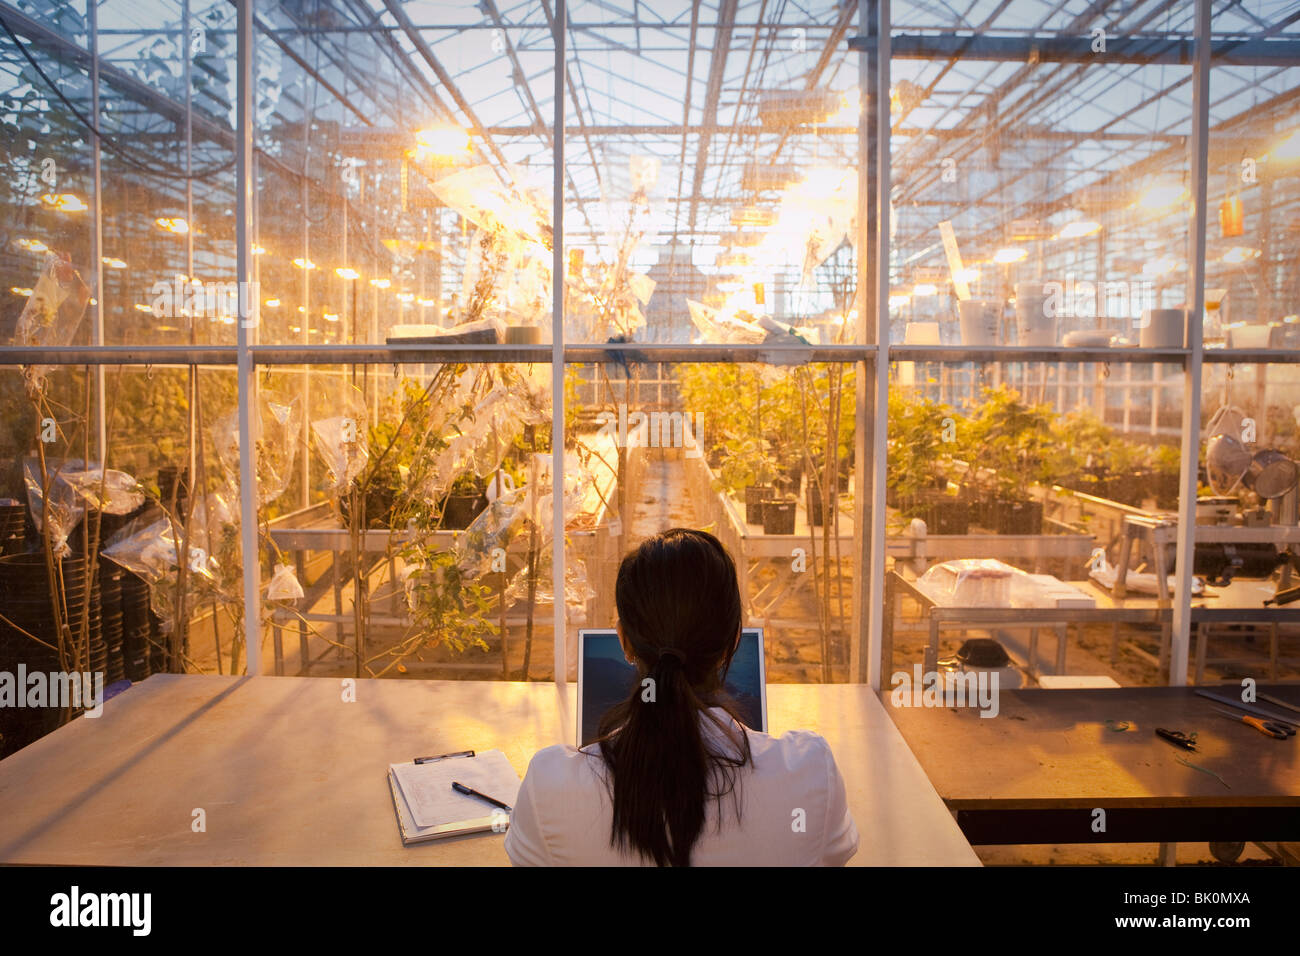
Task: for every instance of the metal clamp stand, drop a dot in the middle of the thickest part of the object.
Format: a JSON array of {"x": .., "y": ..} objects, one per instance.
[{"x": 1160, "y": 532}]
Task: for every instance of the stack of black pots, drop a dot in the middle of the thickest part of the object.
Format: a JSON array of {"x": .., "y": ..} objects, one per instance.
[
  {"x": 28, "y": 614},
  {"x": 13, "y": 525},
  {"x": 136, "y": 630},
  {"x": 173, "y": 480},
  {"x": 110, "y": 602}
]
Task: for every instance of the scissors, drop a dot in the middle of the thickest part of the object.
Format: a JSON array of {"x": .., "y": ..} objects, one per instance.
[{"x": 1269, "y": 728}]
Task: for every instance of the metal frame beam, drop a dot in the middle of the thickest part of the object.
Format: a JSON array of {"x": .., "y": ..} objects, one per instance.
[{"x": 1078, "y": 49}]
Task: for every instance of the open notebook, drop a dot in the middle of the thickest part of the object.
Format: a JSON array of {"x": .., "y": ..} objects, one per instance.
[{"x": 429, "y": 809}]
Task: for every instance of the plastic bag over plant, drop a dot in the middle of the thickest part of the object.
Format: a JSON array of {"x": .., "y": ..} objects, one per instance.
[
  {"x": 52, "y": 314},
  {"x": 112, "y": 492},
  {"x": 481, "y": 548},
  {"x": 152, "y": 550},
  {"x": 54, "y": 500},
  {"x": 479, "y": 440},
  {"x": 722, "y": 328},
  {"x": 480, "y": 196},
  {"x": 490, "y": 267},
  {"x": 577, "y": 588},
  {"x": 341, "y": 442},
  {"x": 284, "y": 585},
  {"x": 277, "y": 446}
]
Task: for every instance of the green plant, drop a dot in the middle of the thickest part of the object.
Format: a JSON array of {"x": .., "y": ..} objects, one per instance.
[
  {"x": 446, "y": 607},
  {"x": 1013, "y": 440},
  {"x": 1080, "y": 440},
  {"x": 724, "y": 396},
  {"x": 916, "y": 449},
  {"x": 746, "y": 462},
  {"x": 1168, "y": 460},
  {"x": 467, "y": 485}
]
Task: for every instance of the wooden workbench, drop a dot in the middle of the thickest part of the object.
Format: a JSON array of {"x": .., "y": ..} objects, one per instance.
[
  {"x": 1036, "y": 772},
  {"x": 287, "y": 773}
]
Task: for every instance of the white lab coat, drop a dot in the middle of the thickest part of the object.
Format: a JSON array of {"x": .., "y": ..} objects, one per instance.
[{"x": 794, "y": 809}]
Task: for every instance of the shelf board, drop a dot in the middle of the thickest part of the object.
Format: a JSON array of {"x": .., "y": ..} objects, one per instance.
[
  {"x": 415, "y": 354},
  {"x": 1031, "y": 353}
]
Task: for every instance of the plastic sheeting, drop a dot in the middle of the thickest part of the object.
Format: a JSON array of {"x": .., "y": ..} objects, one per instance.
[
  {"x": 73, "y": 488},
  {"x": 277, "y": 446},
  {"x": 152, "y": 549},
  {"x": 284, "y": 585},
  {"x": 971, "y": 582},
  {"x": 52, "y": 314},
  {"x": 342, "y": 442},
  {"x": 1139, "y": 582},
  {"x": 725, "y": 328}
]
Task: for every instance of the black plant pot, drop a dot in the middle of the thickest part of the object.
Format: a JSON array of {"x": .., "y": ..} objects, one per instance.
[
  {"x": 891, "y": 496},
  {"x": 778, "y": 517},
  {"x": 13, "y": 526},
  {"x": 1137, "y": 487},
  {"x": 1166, "y": 488},
  {"x": 714, "y": 458},
  {"x": 792, "y": 478},
  {"x": 755, "y": 497},
  {"x": 174, "y": 480},
  {"x": 816, "y": 513},
  {"x": 949, "y": 515},
  {"x": 1018, "y": 517},
  {"x": 461, "y": 510}
]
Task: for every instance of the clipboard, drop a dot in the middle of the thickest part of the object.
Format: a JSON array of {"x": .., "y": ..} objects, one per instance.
[{"x": 430, "y": 778}]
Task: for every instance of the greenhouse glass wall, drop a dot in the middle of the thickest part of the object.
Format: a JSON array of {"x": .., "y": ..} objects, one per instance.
[{"x": 362, "y": 338}]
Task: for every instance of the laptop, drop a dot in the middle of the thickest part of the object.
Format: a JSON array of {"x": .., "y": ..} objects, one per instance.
[{"x": 605, "y": 679}]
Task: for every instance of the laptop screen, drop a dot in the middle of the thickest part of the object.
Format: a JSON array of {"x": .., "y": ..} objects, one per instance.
[{"x": 605, "y": 679}]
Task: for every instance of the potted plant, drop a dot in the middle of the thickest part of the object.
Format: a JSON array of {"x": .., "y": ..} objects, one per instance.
[
  {"x": 1014, "y": 440},
  {"x": 749, "y": 469},
  {"x": 1080, "y": 441},
  {"x": 778, "y": 515},
  {"x": 816, "y": 507},
  {"x": 1129, "y": 476},
  {"x": 917, "y": 455},
  {"x": 465, "y": 499}
]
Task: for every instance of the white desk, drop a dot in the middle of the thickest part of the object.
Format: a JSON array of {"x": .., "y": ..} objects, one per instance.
[{"x": 289, "y": 774}]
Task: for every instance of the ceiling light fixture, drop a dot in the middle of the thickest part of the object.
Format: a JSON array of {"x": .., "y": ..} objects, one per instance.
[
  {"x": 64, "y": 202},
  {"x": 1079, "y": 228}
]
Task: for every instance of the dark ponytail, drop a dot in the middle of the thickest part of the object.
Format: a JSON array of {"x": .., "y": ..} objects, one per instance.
[{"x": 679, "y": 610}]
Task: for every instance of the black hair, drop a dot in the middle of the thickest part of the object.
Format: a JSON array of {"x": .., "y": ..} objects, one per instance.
[{"x": 679, "y": 610}]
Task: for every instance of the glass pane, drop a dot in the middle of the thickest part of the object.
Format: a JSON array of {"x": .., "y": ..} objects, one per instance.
[
  {"x": 112, "y": 515},
  {"x": 739, "y": 450},
  {"x": 404, "y": 175},
  {"x": 712, "y": 174},
  {"x": 408, "y": 519},
  {"x": 1037, "y": 203}
]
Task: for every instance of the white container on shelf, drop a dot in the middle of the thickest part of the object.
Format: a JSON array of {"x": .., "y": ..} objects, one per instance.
[
  {"x": 1035, "y": 315},
  {"x": 979, "y": 321},
  {"x": 1252, "y": 337},
  {"x": 1163, "y": 329},
  {"x": 922, "y": 333}
]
